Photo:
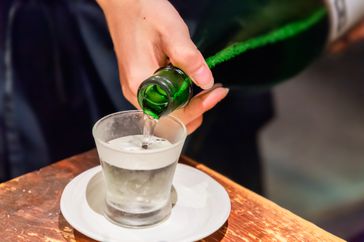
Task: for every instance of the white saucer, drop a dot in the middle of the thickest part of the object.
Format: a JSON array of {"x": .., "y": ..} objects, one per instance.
[{"x": 202, "y": 207}]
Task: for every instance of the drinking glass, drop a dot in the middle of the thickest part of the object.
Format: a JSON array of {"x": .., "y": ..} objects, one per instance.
[{"x": 138, "y": 181}]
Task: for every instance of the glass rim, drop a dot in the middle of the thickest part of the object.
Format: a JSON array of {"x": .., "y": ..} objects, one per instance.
[{"x": 171, "y": 117}]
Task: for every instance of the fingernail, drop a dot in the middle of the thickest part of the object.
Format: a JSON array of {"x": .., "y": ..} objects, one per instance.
[
  {"x": 216, "y": 85},
  {"x": 202, "y": 77},
  {"x": 222, "y": 89},
  {"x": 227, "y": 90}
]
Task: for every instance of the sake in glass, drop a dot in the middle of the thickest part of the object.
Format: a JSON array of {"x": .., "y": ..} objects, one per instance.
[{"x": 138, "y": 181}]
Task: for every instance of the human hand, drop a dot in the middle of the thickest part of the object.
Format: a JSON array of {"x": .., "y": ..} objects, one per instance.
[
  {"x": 353, "y": 36},
  {"x": 150, "y": 34}
]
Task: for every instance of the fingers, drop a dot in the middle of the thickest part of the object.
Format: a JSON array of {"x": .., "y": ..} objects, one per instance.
[
  {"x": 183, "y": 54},
  {"x": 200, "y": 104},
  {"x": 354, "y": 36},
  {"x": 145, "y": 41},
  {"x": 189, "y": 59},
  {"x": 357, "y": 34},
  {"x": 194, "y": 124},
  {"x": 136, "y": 67},
  {"x": 203, "y": 102},
  {"x": 131, "y": 80}
]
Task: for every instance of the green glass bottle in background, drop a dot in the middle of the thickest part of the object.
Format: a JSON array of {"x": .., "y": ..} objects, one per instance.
[{"x": 267, "y": 40}]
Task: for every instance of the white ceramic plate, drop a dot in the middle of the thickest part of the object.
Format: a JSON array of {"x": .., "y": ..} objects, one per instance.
[{"x": 202, "y": 207}]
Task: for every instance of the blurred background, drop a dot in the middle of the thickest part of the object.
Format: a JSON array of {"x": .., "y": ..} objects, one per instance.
[{"x": 313, "y": 150}]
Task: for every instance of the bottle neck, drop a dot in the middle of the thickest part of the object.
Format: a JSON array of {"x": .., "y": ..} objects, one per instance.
[
  {"x": 344, "y": 14},
  {"x": 168, "y": 89}
]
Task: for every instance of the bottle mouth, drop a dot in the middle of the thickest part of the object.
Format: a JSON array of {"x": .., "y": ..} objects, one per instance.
[{"x": 154, "y": 97}]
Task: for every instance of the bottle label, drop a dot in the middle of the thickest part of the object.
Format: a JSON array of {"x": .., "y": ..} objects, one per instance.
[{"x": 344, "y": 14}]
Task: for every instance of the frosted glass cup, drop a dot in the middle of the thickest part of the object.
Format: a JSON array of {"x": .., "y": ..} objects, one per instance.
[{"x": 138, "y": 181}]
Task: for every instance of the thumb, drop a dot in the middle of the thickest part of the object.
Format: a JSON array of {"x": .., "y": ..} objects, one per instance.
[{"x": 183, "y": 54}]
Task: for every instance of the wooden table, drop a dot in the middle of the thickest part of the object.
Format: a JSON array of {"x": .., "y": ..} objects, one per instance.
[{"x": 29, "y": 209}]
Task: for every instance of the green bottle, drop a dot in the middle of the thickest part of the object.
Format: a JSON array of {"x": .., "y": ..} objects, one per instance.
[
  {"x": 168, "y": 89},
  {"x": 267, "y": 40}
]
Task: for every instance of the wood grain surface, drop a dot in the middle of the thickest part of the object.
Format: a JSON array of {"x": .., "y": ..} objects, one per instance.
[{"x": 29, "y": 209}]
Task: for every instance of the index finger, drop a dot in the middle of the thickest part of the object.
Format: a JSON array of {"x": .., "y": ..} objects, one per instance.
[{"x": 201, "y": 103}]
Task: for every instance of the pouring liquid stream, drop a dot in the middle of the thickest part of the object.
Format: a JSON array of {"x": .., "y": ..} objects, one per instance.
[{"x": 148, "y": 130}]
